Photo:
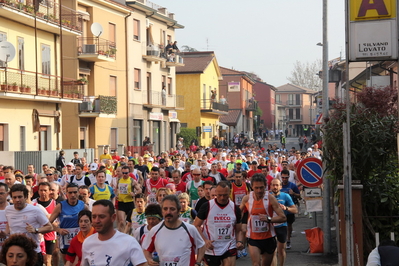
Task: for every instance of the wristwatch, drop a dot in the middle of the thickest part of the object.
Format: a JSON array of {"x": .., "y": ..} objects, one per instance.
[
  {"x": 198, "y": 263},
  {"x": 36, "y": 230},
  {"x": 269, "y": 219}
]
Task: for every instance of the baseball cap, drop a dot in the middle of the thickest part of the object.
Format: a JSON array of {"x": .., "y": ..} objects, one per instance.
[
  {"x": 122, "y": 157},
  {"x": 93, "y": 167},
  {"x": 192, "y": 167},
  {"x": 239, "y": 162},
  {"x": 70, "y": 164},
  {"x": 309, "y": 149},
  {"x": 151, "y": 159},
  {"x": 224, "y": 154},
  {"x": 146, "y": 156},
  {"x": 162, "y": 161},
  {"x": 276, "y": 153}
]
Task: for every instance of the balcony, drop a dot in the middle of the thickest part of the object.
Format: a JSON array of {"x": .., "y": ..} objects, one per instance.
[
  {"x": 213, "y": 107},
  {"x": 282, "y": 118},
  {"x": 47, "y": 16},
  {"x": 174, "y": 60},
  {"x": 101, "y": 106},
  {"x": 295, "y": 118},
  {"x": 95, "y": 49},
  {"x": 153, "y": 99},
  {"x": 154, "y": 53},
  {"x": 251, "y": 105},
  {"x": 294, "y": 102},
  {"x": 27, "y": 85}
]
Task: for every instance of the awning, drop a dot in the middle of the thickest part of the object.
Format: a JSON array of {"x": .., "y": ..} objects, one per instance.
[{"x": 174, "y": 120}]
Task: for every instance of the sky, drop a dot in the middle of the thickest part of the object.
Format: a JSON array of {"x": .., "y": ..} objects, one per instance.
[{"x": 262, "y": 36}]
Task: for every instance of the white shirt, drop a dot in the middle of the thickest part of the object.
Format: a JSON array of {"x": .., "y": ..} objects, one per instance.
[
  {"x": 119, "y": 250},
  {"x": 172, "y": 245},
  {"x": 17, "y": 220}
]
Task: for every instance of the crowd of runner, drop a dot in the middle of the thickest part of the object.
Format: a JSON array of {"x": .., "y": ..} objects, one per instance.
[{"x": 190, "y": 206}]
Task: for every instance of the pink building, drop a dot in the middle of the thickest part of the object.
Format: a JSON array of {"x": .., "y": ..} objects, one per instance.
[{"x": 265, "y": 96}]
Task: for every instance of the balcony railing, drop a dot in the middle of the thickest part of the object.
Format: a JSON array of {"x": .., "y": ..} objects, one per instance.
[
  {"x": 208, "y": 104},
  {"x": 295, "y": 118},
  {"x": 32, "y": 83},
  {"x": 294, "y": 102},
  {"x": 251, "y": 105},
  {"x": 96, "y": 46},
  {"x": 48, "y": 11},
  {"x": 101, "y": 104},
  {"x": 160, "y": 9},
  {"x": 174, "y": 59},
  {"x": 156, "y": 98},
  {"x": 153, "y": 52}
]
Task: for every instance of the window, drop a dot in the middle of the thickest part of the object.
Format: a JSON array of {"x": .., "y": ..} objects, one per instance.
[
  {"x": 44, "y": 138},
  {"x": 137, "y": 137},
  {"x": 137, "y": 79},
  {"x": 148, "y": 81},
  {"x": 298, "y": 113},
  {"x": 112, "y": 86},
  {"x": 22, "y": 138},
  {"x": 112, "y": 34},
  {"x": 169, "y": 86},
  {"x": 169, "y": 38},
  {"x": 46, "y": 56},
  {"x": 3, "y": 36},
  {"x": 136, "y": 30},
  {"x": 2, "y": 137},
  {"x": 21, "y": 53},
  {"x": 163, "y": 81},
  {"x": 294, "y": 113},
  {"x": 82, "y": 137},
  {"x": 278, "y": 98},
  {"x": 114, "y": 139}
]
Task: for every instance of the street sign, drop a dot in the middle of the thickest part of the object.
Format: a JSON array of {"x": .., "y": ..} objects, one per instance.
[
  {"x": 310, "y": 172},
  {"x": 319, "y": 120},
  {"x": 312, "y": 192},
  {"x": 206, "y": 129}
]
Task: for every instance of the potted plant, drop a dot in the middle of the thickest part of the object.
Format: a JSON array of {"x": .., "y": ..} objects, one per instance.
[
  {"x": 4, "y": 86},
  {"x": 54, "y": 92},
  {"x": 40, "y": 14},
  {"x": 112, "y": 52},
  {"x": 14, "y": 87},
  {"x": 101, "y": 52},
  {"x": 28, "y": 89},
  {"x": 82, "y": 81},
  {"x": 22, "y": 88}
]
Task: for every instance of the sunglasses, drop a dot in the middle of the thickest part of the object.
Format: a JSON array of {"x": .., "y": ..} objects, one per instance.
[
  {"x": 196, "y": 174},
  {"x": 125, "y": 173},
  {"x": 49, "y": 174}
]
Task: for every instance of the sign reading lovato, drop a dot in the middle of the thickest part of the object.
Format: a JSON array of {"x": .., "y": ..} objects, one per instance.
[{"x": 372, "y": 9}]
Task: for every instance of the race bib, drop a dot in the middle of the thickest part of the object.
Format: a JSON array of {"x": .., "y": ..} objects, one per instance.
[
  {"x": 238, "y": 198},
  {"x": 183, "y": 219},
  {"x": 170, "y": 261},
  {"x": 66, "y": 239},
  {"x": 152, "y": 199},
  {"x": 259, "y": 226},
  {"x": 193, "y": 203},
  {"x": 123, "y": 188},
  {"x": 223, "y": 232}
]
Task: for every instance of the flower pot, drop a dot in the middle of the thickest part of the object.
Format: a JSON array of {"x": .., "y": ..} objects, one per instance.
[
  {"x": 4, "y": 87},
  {"x": 22, "y": 89},
  {"x": 15, "y": 88},
  {"x": 28, "y": 90},
  {"x": 54, "y": 93}
]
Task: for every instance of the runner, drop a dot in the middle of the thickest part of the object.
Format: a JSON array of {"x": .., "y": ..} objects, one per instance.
[
  {"x": 153, "y": 215},
  {"x": 109, "y": 246},
  {"x": 289, "y": 207},
  {"x": 67, "y": 212},
  {"x": 136, "y": 217},
  {"x": 221, "y": 231},
  {"x": 183, "y": 239},
  {"x": 261, "y": 210}
]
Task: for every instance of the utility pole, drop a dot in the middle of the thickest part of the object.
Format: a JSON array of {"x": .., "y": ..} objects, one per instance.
[{"x": 326, "y": 107}]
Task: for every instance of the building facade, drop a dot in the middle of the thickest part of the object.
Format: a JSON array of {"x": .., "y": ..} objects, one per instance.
[{"x": 198, "y": 81}]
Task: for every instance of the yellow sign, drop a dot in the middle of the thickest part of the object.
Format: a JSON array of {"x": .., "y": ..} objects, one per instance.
[{"x": 372, "y": 9}]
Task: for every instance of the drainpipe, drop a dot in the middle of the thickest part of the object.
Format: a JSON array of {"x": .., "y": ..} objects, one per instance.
[{"x": 127, "y": 80}]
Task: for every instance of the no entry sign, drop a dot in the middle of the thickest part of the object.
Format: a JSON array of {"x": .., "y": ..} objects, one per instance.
[{"x": 310, "y": 172}]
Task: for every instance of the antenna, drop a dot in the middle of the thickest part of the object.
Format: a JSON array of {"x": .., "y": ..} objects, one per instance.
[
  {"x": 7, "y": 51},
  {"x": 96, "y": 29}
]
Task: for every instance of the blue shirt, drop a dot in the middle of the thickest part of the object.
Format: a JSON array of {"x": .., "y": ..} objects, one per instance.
[
  {"x": 286, "y": 200},
  {"x": 286, "y": 189}
]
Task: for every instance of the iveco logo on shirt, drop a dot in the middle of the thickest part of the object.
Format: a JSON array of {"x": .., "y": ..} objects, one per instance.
[{"x": 223, "y": 218}]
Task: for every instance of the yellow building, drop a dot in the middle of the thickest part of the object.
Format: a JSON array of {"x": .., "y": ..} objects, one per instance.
[
  {"x": 99, "y": 59},
  {"x": 198, "y": 81},
  {"x": 32, "y": 94}
]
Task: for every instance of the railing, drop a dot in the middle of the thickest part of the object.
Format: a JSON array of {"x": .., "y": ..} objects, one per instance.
[
  {"x": 94, "y": 45},
  {"x": 251, "y": 105},
  {"x": 282, "y": 118},
  {"x": 207, "y": 104},
  {"x": 49, "y": 11},
  {"x": 295, "y": 118},
  {"x": 294, "y": 102},
  {"x": 162, "y": 99},
  {"x": 175, "y": 58},
  {"x": 279, "y": 101},
  {"x": 28, "y": 82},
  {"x": 160, "y": 9},
  {"x": 154, "y": 50},
  {"x": 100, "y": 104}
]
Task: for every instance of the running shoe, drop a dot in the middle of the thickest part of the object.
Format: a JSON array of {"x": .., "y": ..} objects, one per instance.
[{"x": 288, "y": 245}]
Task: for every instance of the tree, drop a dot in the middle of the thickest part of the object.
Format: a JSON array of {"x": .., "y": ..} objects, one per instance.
[
  {"x": 186, "y": 48},
  {"x": 306, "y": 75}
]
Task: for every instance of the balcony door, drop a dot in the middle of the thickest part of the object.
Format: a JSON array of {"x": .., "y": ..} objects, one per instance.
[{"x": 44, "y": 138}]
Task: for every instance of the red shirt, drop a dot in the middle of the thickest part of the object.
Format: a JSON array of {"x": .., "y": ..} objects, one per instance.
[
  {"x": 223, "y": 171},
  {"x": 181, "y": 187},
  {"x": 185, "y": 176},
  {"x": 116, "y": 157},
  {"x": 252, "y": 172},
  {"x": 269, "y": 181}
]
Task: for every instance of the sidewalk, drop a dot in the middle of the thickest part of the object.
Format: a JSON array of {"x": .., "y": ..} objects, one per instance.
[{"x": 296, "y": 256}]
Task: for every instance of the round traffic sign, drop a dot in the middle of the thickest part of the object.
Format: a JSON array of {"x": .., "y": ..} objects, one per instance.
[{"x": 310, "y": 172}]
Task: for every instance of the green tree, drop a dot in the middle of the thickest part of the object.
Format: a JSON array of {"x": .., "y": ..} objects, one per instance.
[
  {"x": 186, "y": 48},
  {"x": 188, "y": 135},
  {"x": 374, "y": 160}
]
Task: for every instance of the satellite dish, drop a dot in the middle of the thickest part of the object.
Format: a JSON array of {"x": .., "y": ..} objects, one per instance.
[
  {"x": 96, "y": 29},
  {"x": 7, "y": 51}
]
